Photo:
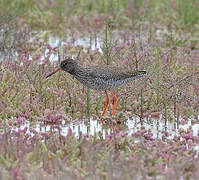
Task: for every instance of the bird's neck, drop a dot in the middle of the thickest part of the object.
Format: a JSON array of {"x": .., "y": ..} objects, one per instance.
[{"x": 77, "y": 70}]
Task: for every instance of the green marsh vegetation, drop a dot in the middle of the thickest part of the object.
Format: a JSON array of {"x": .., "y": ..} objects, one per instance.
[{"x": 161, "y": 37}]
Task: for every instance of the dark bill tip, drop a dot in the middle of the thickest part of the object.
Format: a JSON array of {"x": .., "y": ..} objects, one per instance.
[{"x": 59, "y": 69}]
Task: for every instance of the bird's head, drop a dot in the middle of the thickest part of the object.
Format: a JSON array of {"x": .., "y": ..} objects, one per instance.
[{"x": 67, "y": 65}]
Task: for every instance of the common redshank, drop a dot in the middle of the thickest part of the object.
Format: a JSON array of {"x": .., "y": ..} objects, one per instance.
[{"x": 103, "y": 78}]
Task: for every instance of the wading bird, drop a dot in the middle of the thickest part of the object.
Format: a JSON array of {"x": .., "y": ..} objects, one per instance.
[{"x": 103, "y": 78}]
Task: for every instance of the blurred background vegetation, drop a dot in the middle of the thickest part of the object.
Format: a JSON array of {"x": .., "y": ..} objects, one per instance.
[{"x": 55, "y": 15}]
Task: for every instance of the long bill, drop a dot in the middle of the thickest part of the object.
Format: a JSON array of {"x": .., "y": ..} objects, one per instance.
[{"x": 59, "y": 69}]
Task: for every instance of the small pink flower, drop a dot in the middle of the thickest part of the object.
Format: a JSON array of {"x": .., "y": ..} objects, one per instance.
[
  {"x": 70, "y": 132},
  {"x": 128, "y": 43},
  {"x": 49, "y": 47},
  {"x": 46, "y": 134},
  {"x": 148, "y": 136},
  {"x": 187, "y": 136}
]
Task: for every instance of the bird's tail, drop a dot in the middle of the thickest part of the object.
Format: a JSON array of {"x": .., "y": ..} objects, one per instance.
[
  {"x": 141, "y": 72},
  {"x": 137, "y": 74}
]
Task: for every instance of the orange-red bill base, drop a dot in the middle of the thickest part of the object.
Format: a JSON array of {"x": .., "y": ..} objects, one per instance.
[{"x": 59, "y": 69}]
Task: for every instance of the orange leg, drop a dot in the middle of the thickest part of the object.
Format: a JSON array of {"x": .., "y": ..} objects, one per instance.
[
  {"x": 114, "y": 102},
  {"x": 107, "y": 102}
]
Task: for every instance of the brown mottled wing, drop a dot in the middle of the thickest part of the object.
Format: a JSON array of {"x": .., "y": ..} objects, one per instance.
[{"x": 109, "y": 72}]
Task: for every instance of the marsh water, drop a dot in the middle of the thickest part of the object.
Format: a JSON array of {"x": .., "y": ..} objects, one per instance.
[{"x": 155, "y": 128}]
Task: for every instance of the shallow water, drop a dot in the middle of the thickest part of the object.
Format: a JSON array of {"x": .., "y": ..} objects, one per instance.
[
  {"x": 56, "y": 42},
  {"x": 155, "y": 127}
]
